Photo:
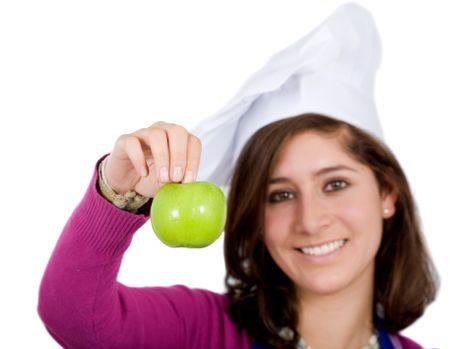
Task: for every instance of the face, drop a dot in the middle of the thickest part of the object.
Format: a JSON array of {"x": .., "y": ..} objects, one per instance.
[{"x": 323, "y": 215}]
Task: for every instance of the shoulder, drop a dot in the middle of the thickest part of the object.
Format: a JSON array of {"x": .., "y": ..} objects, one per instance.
[{"x": 402, "y": 342}]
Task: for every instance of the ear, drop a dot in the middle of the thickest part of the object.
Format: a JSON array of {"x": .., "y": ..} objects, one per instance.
[{"x": 388, "y": 200}]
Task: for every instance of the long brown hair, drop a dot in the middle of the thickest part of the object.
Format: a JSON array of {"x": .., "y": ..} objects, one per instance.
[{"x": 263, "y": 298}]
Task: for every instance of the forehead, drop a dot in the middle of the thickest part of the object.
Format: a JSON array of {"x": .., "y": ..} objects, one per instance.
[{"x": 313, "y": 150}]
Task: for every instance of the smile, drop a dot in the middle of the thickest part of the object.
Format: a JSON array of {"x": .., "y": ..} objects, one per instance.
[{"x": 323, "y": 249}]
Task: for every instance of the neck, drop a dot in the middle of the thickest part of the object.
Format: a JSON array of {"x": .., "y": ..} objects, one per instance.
[{"x": 338, "y": 320}]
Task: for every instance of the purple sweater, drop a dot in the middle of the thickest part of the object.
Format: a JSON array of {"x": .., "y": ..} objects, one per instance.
[{"x": 83, "y": 306}]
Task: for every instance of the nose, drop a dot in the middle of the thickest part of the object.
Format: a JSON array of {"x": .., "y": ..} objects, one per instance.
[{"x": 312, "y": 215}]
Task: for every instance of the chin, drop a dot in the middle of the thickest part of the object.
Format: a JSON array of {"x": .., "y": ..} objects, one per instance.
[
  {"x": 333, "y": 281},
  {"x": 323, "y": 285}
]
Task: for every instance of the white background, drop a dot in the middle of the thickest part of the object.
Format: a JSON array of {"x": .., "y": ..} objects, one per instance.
[{"x": 74, "y": 75}]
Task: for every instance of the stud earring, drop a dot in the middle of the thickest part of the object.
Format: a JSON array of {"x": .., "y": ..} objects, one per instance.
[{"x": 385, "y": 211}]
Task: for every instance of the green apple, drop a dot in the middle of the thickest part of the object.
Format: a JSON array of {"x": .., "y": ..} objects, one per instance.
[{"x": 188, "y": 214}]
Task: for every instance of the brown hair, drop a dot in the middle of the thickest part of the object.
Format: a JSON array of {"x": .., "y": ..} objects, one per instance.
[{"x": 263, "y": 298}]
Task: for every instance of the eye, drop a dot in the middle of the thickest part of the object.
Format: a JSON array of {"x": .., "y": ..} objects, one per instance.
[
  {"x": 336, "y": 185},
  {"x": 280, "y": 196}
]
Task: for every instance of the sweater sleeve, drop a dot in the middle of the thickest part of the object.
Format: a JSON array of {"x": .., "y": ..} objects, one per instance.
[{"x": 83, "y": 306}]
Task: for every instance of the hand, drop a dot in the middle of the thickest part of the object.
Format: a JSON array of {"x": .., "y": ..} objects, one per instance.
[{"x": 146, "y": 159}]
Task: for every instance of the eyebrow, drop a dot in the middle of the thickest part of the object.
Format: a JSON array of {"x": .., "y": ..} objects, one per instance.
[{"x": 320, "y": 172}]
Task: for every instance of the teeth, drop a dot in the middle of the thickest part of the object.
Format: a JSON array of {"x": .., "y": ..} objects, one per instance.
[{"x": 323, "y": 249}]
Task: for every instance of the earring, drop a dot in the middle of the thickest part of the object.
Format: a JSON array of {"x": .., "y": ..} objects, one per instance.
[{"x": 385, "y": 211}]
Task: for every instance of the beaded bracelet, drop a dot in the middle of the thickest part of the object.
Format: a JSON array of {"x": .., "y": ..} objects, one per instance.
[{"x": 130, "y": 201}]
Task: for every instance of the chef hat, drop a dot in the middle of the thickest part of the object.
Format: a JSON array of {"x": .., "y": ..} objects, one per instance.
[{"x": 330, "y": 71}]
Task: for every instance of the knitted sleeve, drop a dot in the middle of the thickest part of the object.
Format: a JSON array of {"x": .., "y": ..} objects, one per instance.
[{"x": 83, "y": 306}]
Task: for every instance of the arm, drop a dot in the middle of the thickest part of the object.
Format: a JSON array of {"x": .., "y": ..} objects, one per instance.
[
  {"x": 83, "y": 306},
  {"x": 79, "y": 295},
  {"x": 80, "y": 300}
]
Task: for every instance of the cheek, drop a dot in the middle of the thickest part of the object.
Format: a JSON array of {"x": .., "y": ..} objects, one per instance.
[
  {"x": 276, "y": 225},
  {"x": 362, "y": 217},
  {"x": 359, "y": 206},
  {"x": 354, "y": 214},
  {"x": 279, "y": 215}
]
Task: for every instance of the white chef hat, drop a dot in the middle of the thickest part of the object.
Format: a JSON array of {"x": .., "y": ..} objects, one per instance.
[{"x": 330, "y": 71}]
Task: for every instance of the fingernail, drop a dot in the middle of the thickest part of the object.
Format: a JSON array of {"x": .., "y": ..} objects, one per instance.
[
  {"x": 189, "y": 177},
  {"x": 177, "y": 174},
  {"x": 143, "y": 171},
  {"x": 164, "y": 174}
]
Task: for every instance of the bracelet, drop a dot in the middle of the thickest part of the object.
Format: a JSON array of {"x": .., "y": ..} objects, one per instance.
[{"x": 130, "y": 201}]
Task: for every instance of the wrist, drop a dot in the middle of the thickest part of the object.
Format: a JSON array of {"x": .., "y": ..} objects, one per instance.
[{"x": 130, "y": 201}]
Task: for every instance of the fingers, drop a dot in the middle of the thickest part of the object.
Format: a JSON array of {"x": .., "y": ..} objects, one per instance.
[
  {"x": 150, "y": 157},
  {"x": 193, "y": 155},
  {"x": 126, "y": 164},
  {"x": 136, "y": 155},
  {"x": 178, "y": 141},
  {"x": 157, "y": 140},
  {"x": 174, "y": 151}
]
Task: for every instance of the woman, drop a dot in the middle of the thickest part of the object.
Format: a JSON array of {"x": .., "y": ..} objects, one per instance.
[
  {"x": 322, "y": 242},
  {"x": 336, "y": 247},
  {"x": 321, "y": 238}
]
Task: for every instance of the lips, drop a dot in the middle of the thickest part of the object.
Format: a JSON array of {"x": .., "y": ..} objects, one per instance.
[{"x": 323, "y": 249}]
